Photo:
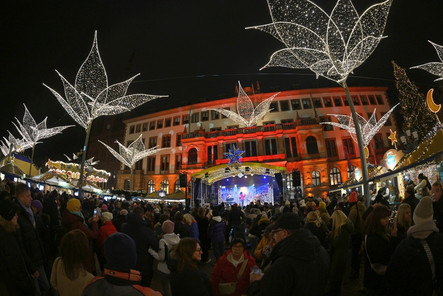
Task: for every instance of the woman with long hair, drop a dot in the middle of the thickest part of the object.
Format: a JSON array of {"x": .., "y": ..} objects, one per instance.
[
  {"x": 68, "y": 276},
  {"x": 379, "y": 246},
  {"x": 315, "y": 224},
  {"x": 186, "y": 277},
  {"x": 404, "y": 220}
]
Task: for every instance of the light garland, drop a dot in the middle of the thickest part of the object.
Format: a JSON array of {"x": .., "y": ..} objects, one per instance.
[
  {"x": 332, "y": 45},
  {"x": 368, "y": 128},
  {"x": 246, "y": 114}
]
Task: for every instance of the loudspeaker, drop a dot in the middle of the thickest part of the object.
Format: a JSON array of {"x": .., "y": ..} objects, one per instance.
[
  {"x": 196, "y": 187},
  {"x": 296, "y": 178},
  {"x": 183, "y": 180},
  {"x": 279, "y": 180}
]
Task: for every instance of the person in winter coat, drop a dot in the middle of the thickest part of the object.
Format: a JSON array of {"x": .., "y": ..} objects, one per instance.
[
  {"x": 357, "y": 209},
  {"x": 203, "y": 225},
  {"x": 423, "y": 182},
  {"x": 15, "y": 277},
  {"x": 143, "y": 235},
  {"x": 180, "y": 227},
  {"x": 68, "y": 277},
  {"x": 105, "y": 230},
  {"x": 192, "y": 224},
  {"x": 299, "y": 262},
  {"x": 233, "y": 267},
  {"x": 410, "y": 198},
  {"x": 340, "y": 237},
  {"x": 186, "y": 279},
  {"x": 404, "y": 220},
  {"x": 315, "y": 225},
  {"x": 410, "y": 271},
  {"x": 73, "y": 218},
  {"x": 324, "y": 215},
  {"x": 166, "y": 245},
  {"x": 437, "y": 197},
  {"x": 120, "y": 277},
  {"x": 217, "y": 234}
]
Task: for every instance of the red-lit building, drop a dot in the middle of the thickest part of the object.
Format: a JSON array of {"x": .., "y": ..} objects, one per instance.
[{"x": 289, "y": 136}]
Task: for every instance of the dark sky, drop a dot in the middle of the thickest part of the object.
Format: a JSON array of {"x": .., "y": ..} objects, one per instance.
[{"x": 189, "y": 49}]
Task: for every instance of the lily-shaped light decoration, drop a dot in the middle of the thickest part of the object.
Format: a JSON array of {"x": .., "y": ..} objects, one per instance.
[
  {"x": 91, "y": 96},
  {"x": 435, "y": 68},
  {"x": 133, "y": 153},
  {"x": 12, "y": 144},
  {"x": 246, "y": 114},
  {"x": 330, "y": 45},
  {"x": 32, "y": 132}
]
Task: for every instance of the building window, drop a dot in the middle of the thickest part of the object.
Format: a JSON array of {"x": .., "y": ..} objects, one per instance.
[
  {"x": 250, "y": 148},
  {"x": 167, "y": 122},
  {"x": 317, "y": 102},
  {"x": 388, "y": 121},
  {"x": 185, "y": 119},
  {"x": 145, "y": 126},
  {"x": 287, "y": 120},
  {"x": 152, "y": 125},
  {"x": 348, "y": 145},
  {"x": 232, "y": 127},
  {"x": 331, "y": 148},
  {"x": 229, "y": 146},
  {"x": 127, "y": 185},
  {"x": 178, "y": 140},
  {"x": 270, "y": 146},
  {"x": 195, "y": 117},
  {"x": 372, "y": 100},
  {"x": 192, "y": 156},
  {"x": 215, "y": 115},
  {"x": 273, "y": 107},
  {"x": 378, "y": 139},
  {"x": 164, "y": 186},
  {"x": 177, "y": 187},
  {"x": 160, "y": 123},
  {"x": 151, "y": 164},
  {"x": 345, "y": 100},
  {"x": 178, "y": 162},
  {"x": 316, "y": 181},
  {"x": 355, "y": 100},
  {"x": 164, "y": 164},
  {"x": 284, "y": 105},
  {"x": 212, "y": 154},
  {"x": 338, "y": 102},
  {"x": 213, "y": 129},
  {"x": 306, "y": 103},
  {"x": 327, "y": 101},
  {"x": 379, "y": 99},
  {"x": 166, "y": 141},
  {"x": 152, "y": 142},
  {"x": 291, "y": 147},
  {"x": 296, "y": 104},
  {"x": 351, "y": 170},
  {"x": 268, "y": 122},
  {"x": 151, "y": 186},
  {"x": 364, "y": 100},
  {"x": 139, "y": 165},
  {"x": 131, "y": 129},
  {"x": 311, "y": 145},
  {"x": 176, "y": 121},
  {"x": 334, "y": 176},
  {"x": 138, "y": 128},
  {"x": 327, "y": 127},
  {"x": 205, "y": 115}
]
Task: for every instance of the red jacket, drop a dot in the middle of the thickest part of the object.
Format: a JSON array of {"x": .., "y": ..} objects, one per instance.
[
  {"x": 106, "y": 230},
  {"x": 225, "y": 272}
]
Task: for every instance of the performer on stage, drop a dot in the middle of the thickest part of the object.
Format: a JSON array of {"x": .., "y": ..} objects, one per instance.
[{"x": 242, "y": 199}]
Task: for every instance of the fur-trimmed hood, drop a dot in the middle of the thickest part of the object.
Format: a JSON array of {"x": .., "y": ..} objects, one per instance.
[{"x": 8, "y": 225}]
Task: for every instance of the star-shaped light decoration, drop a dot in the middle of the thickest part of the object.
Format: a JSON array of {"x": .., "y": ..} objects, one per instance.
[
  {"x": 91, "y": 96},
  {"x": 393, "y": 138},
  {"x": 133, "y": 153},
  {"x": 246, "y": 114},
  {"x": 234, "y": 156},
  {"x": 32, "y": 132}
]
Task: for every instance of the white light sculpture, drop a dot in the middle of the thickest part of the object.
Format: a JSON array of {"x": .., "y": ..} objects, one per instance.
[
  {"x": 435, "y": 68},
  {"x": 12, "y": 144},
  {"x": 133, "y": 153},
  {"x": 246, "y": 114},
  {"x": 331, "y": 46},
  {"x": 32, "y": 132},
  {"x": 91, "y": 96}
]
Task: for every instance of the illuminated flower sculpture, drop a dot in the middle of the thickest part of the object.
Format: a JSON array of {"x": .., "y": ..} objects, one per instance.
[
  {"x": 91, "y": 96},
  {"x": 246, "y": 114},
  {"x": 331, "y": 46},
  {"x": 32, "y": 132},
  {"x": 434, "y": 68},
  {"x": 12, "y": 144},
  {"x": 133, "y": 153}
]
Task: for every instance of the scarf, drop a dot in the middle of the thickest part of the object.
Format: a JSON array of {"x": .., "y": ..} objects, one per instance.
[
  {"x": 79, "y": 214},
  {"x": 234, "y": 262},
  {"x": 423, "y": 230}
]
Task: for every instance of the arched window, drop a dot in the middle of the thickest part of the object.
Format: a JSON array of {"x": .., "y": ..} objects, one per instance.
[
  {"x": 289, "y": 182},
  {"x": 177, "y": 187},
  {"x": 151, "y": 186},
  {"x": 334, "y": 176},
  {"x": 127, "y": 184},
  {"x": 311, "y": 145},
  {"x": 192, "y": 156},
  {"x": 351, "y": 170},
  {"x": 316, "y": 178},
  {"x": 165, "y": 186}
]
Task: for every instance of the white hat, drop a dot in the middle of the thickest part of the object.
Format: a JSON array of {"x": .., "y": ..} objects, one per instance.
[
  {"x": 423, "y": 212},
  {"x": 107, "y": 216}
]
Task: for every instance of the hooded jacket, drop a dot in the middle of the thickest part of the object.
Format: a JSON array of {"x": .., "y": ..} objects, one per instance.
[
  {"x": 217, "y": 229},
  {"x": 299, "y": 267},
  {"x": 170, "y": 240}
]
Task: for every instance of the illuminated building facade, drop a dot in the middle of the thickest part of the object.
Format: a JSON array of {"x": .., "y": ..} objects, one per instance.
[{"x": 289, "y": 136}]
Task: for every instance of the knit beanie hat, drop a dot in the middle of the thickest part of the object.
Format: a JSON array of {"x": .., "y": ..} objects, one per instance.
[
  {"x": 7, "y": 209},
  {"x": 168, "y": 226},
  {"x": 104, "y": 207},
  {"x": 73, "y": 205},
  {"x": 107, "y": 216},
  {"x": 123, "y": 212},
  {"x": 423, "y": 212},
  {"x": 37, "y": 204},
  {"x": 322, "y": 205},
  {"x": 120, "y": 251},
  {"x": 353, "y": 197}
]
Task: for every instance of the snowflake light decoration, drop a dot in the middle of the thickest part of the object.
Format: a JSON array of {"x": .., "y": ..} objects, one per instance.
[
  {"x": 332, "y": 45},
  {"x": 246, "y": 114},
  {"x": 234, "y": 156},
  {"x": 435, "y": 68},
  {"x": 369, "y": 128}
]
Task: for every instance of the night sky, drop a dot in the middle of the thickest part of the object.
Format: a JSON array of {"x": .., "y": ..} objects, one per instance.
[{"x": 191, "y": 50}]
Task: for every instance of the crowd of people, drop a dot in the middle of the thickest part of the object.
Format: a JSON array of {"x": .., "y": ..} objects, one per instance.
[{"x": 57, "y": 244}]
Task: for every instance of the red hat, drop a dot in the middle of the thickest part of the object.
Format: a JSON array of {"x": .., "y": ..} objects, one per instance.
[{"x": 352, "y": 197}]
